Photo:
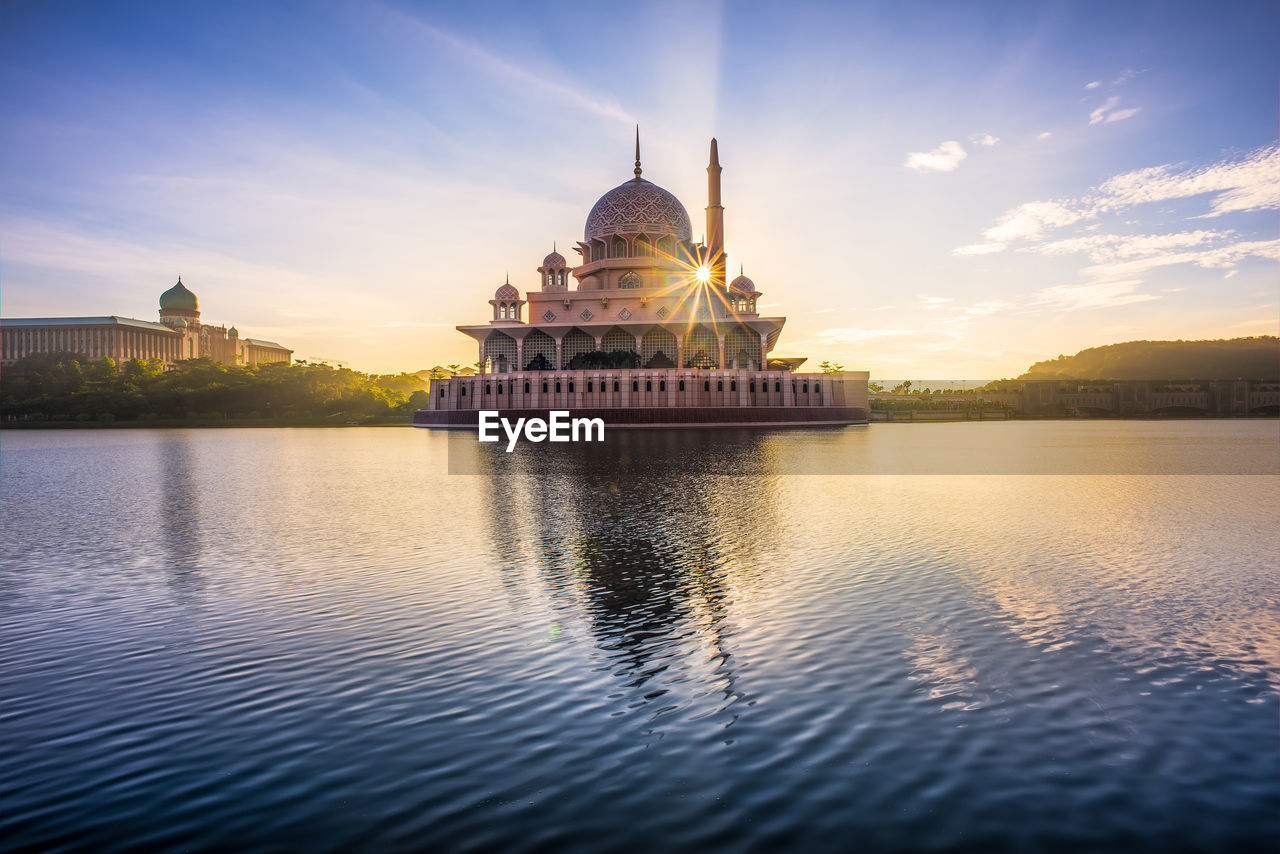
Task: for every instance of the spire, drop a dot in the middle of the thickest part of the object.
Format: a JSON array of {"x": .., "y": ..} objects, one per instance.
[
  {"x": 715, "y": 152},
  {"x": 508, "y": 281},
  {"x": 553, "y": 246},
  {"x": 637, "y": 151}
]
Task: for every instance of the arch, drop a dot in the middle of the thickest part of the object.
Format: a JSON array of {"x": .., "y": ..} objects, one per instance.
[
  {"x": 644, "y": 247},
  {"x": 701, "y": 348},
  {"x": 630, "y": 279},
  {"x": 667, "y": 246},
  {"x": 539, "y": 351},
  {"x": 658, "y": 349},
  {"x": 575, "y": 343},
  {"x": 617, "y": 339},
  {"x": 564, "y": 282},
  {"x": 500, "y": 352},
  {"x": 743, "y": 347},
  {"x": 618, "y": 247},
  {"x": 598, "y": 250}
]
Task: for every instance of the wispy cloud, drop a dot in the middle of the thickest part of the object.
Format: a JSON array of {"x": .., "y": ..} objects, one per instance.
[
  {"x": 491, "y": 63},
  {"x": 1045, "y": 135},
  {"x": 945, "y": 158},
  {"x": 1099, "y": 295},
  {"x": 1244, "y": 184},
  {"x": 1110, "y": 247},
  {"x": 1108, "y": 113},
  {"x": 1222, "y": 257},
  {"x": 1093, "y": 84},
  {"x": 984, "y": 139},
  {"x": 929, "y": 303}
]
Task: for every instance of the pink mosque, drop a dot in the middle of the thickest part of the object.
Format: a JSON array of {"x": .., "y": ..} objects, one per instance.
[{"x": 649, "y": 333}]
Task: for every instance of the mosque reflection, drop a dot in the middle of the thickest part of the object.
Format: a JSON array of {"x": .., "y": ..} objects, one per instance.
[{"x": 647, "y": 542}]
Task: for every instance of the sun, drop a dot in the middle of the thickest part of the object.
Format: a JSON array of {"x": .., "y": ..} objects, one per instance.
[{"x": 703, "y": 275}]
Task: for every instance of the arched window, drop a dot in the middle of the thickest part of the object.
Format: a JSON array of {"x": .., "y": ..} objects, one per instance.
[
  {"x": 564, "y": 283},
  {"x": 544, "y": 388},
  {"x": 615, "y": 385},
  {"x": 619, "y": 248},
  {"x": 662, "y": 385},
  {"x": 488, "y": 388},
  {"x": 570, "y": 386},
  {"x": 630, "y": 279},
  {"x": 643, "y": 246},
  {"x": 648, "y": 385},
  {"x": 526, "y": 388},
  {"x": 499, "y": 388},
  {"x": 682, "y": 385},
  {"x": 635, "y": 385}
]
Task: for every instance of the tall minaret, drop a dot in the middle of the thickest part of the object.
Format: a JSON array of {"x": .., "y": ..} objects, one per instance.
[{"x": 715, "y": 218}]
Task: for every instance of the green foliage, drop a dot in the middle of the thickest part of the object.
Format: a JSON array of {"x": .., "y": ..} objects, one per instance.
[
  {"x": 830, "y": 367},
  {"x": 57, "y": 386},
  {"x": 1256, "y": 358},
  {"x": 602, "y": 359}
]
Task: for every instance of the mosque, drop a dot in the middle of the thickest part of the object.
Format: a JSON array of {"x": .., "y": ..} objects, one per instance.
[
  {"x": 179, "y": 335},
  {"x": 646, "y": 330}
]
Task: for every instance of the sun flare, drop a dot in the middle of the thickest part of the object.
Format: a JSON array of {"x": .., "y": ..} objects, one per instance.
[{"x": 703, "y": 275}]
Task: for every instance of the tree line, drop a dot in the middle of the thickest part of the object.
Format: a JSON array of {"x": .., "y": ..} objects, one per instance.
[{"x": 65, "y": 387}]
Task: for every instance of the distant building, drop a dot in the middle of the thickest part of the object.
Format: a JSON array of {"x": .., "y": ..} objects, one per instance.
[{"x": 179, "y": 335}]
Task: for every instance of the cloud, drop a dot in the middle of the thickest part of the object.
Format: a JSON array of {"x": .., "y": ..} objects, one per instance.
[
  {"x": 930, "y": 303},
  {"x": 491, "y": 63},
  {"x": 984, "y": 139},
  {"x": 1111, "y": 247},
  {"x": 1030, "y": 220},
  {"x": 1231, "y": 273},
  {"x": 1241, "y": 184},
  {"x": 1045, "y": 135},
  {"x": 1093, "y": 85},
  {"x": 1108, "y": 113},
  {"x": 882, "y": 308},
  {"x": 944, "y": 158},
  {"x": 1245, "y": 184},
  {"x": 1099, "y": 295},
  {"x": 1222, "y": 257},
  {"x": 978, "y": 249}
]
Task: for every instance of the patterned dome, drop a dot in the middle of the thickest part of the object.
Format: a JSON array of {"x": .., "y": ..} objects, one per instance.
[
  {"x": 743, "y": 284},
  {"x": 554, "y": 260},
  {"x": 507, "y": 291},
  {"x": 638, "y": 206},
  {"x": 180, "y": 298}
]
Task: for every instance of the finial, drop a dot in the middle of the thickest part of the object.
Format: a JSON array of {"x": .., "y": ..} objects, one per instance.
[
  {"x": 553, "y": 246},
  {"x": 508, "y": 278},
  {"x": 740, "y": 268},
  {"x": 715, "y": 152},
  {"x": 637, "y": 151}
]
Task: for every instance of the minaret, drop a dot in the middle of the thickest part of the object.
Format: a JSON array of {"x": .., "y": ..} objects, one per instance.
[{"x": 715, "y": 218}]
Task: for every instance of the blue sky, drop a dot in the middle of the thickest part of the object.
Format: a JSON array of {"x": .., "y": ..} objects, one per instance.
[{"x": 923, "y": 189}]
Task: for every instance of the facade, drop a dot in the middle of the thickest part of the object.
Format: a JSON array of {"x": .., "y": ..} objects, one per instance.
[
  {"x": 179, "y": 335},
  {"x": 1140, "y": 397},
  {"x": 647, "y": 329}
]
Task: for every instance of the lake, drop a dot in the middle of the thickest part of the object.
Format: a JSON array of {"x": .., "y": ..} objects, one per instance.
[{"x": 808, "y": 640}]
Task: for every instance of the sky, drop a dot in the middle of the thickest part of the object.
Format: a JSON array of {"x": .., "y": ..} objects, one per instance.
[{"x": 945, "y": 190}]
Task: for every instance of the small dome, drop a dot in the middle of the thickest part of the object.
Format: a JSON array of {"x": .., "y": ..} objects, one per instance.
[
  {"x": 179, "y": 323},
  {"x": 635, "y": 207},
  {"x": 180, "y": 298},
  {"x": 743, "y": 285},
  {"x": 555, "y": 260},
  {"x": 507, "y": 291}
]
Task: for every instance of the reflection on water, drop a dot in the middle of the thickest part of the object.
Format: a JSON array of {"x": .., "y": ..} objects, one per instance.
[{"x": 317, "y": 638}]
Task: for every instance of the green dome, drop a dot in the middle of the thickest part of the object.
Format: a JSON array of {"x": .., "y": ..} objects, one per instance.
[{"x": 180, "y": 298}]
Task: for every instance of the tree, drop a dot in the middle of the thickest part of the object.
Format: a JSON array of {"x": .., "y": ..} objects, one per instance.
[
  {"x": 875, "y": 387},
  {"x": 453, "y": 369},
  {"x": 831, "y": 367}
]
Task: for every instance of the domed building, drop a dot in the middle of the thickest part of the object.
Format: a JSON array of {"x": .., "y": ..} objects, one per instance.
[
  {"x": 652, "y": 324},
  {"x": 179, "y": 335}
]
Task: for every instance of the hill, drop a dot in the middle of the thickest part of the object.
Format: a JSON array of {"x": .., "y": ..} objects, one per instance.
[{"x": 1256, "y": 358}]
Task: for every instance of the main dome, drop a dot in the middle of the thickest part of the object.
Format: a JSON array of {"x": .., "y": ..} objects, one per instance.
[
  {"x": 635, "y": 207},
  {"x": 178, "y": 297}
]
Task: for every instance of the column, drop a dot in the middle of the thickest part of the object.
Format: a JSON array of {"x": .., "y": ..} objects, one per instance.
[
  {"x": 519, "y": 354},
  {"x": 720, "y": 338}
]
